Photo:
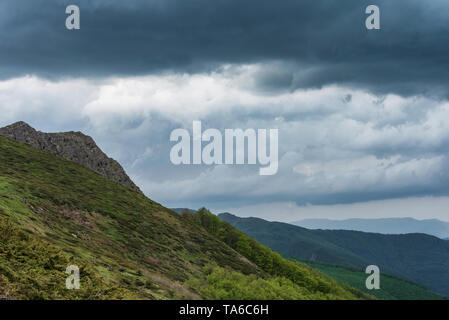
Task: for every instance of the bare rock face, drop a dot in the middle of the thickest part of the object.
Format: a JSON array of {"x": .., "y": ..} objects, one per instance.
[{"x": 73, "y": 146}]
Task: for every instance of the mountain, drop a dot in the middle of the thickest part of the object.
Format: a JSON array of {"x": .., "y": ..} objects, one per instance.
[
  {"x": 433, "y": 227},
  {"x": 73, "y": 146},
  {"x": 416, "y": 257},
  {"x": 55, "y": 213}
]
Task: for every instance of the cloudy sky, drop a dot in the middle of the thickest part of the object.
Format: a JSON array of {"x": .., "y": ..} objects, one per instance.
[{"x": 362, "y": 114}]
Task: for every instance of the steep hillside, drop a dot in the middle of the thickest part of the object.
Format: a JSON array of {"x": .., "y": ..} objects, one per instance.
[
  {"x": 420, "y": 258},
  {"x": 432, "y": 227},
  {"x": 54, "y": 212}
]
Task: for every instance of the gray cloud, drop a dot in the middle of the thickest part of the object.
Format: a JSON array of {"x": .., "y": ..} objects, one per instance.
[{"x": 314, "y": 43}]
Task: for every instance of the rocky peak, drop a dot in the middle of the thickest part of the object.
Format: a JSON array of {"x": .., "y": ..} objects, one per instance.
[{"x": 73, "y": 146}]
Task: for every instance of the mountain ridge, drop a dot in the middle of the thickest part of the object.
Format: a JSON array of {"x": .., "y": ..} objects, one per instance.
[
  {"x": 433, "y": 227},
  {"x": 72, "y": 146}
]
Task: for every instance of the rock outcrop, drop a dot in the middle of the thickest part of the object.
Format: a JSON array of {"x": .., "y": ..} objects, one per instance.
[{"x": 73, "y": 146}]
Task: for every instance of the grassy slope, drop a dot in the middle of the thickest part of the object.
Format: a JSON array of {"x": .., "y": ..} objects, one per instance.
[
  {"x": 270, "y": 261},
  {"x": 54, "y": 213},
  {"x": 391, "y": 288},
  {"x": 420, "y": 258}
]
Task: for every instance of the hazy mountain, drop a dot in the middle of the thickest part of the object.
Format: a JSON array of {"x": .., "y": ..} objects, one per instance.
[
  {"x": 421, "y": 258},
  {"x": 433, "y": 227}
]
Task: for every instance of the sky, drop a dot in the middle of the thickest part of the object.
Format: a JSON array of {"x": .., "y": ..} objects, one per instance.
[{"x": 361, "y": 114}]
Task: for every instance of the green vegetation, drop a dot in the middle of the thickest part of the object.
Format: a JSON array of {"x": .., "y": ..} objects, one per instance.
[
  {"x": 54, "y": 213},
  {"x": 226, "y": 284},
  {"x": 419, "y": 258},
  {"x": 290, "y": 274},
  {"x": 391, "y": 288},
  {"x": 33, "y": 269}
]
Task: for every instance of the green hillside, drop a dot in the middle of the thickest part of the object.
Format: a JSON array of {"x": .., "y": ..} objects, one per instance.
[
  {"x": 391, "y": 287},
  {"x": 55, "y": 213},
  {"x": 268, "y": 260},
  {"x": 416, "y": 257}
]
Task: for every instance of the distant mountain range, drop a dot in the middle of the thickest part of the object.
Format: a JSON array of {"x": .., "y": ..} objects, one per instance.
[
  {"x": 433, "y": 227},
  {"x": 420, "y": 258}
]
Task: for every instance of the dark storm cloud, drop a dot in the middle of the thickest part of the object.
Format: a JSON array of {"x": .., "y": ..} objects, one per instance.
[{"x": 314, "y": 43}]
